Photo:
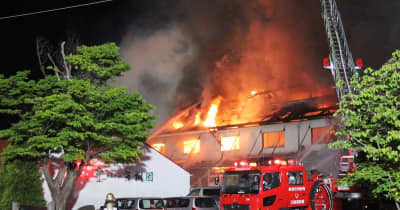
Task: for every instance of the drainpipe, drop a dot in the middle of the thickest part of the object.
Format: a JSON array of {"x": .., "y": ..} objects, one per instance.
[{"x": 298, "y": 138}]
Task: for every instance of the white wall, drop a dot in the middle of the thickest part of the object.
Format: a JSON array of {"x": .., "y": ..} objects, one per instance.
[{"x": 168, "y": 180}]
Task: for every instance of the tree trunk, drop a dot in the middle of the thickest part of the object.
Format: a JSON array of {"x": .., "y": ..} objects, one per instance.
[
  {"x": 62, "y": 185},
  {"x": 397, "y": 205}
]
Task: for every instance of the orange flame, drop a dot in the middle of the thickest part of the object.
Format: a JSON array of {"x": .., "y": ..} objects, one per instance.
[
  {"x": 177, "y": 125},
  {"x": 197, "y": 119},
  {"x": 212, "y": 112}
]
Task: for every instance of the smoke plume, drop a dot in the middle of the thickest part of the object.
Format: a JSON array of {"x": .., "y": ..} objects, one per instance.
[
  {"x": 157, "y": 62},
  {"x": 204, "y": 49}
]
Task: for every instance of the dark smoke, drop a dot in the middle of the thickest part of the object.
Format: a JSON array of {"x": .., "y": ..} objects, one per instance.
[{"x": 180, "y": 51}]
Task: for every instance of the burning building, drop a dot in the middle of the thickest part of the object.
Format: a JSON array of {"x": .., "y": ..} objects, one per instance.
[
  {"x": 205, "y": 142},
  {"x": 247, "y": 84}
]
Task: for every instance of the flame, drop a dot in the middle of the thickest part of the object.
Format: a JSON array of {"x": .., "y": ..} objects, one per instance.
[
  {"x": 253, "y": 92},
  {"x": 177, "y": 125},
  {"x": 197, "y": 118},
  {"x": 212, "y": 112}
]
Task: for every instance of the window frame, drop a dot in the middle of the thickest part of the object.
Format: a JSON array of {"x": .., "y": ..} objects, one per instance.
[
  {"x": 233, "y": 145},
  {"x": 275, "y": 144},
  {"x": 320, "y": 130}
]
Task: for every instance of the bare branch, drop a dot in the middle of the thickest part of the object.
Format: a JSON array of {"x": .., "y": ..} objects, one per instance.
[
  {"x": 66, "y": 66},
  {"x": 54, "y": 66},
  {"x": 39, "y": 52}
]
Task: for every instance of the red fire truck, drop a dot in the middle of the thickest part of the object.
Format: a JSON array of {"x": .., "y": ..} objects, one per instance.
[{"x": 281, "y": 185}]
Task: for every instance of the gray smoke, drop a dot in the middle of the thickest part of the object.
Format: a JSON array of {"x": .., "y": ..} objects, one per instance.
[{"x": 157, "y": 60}]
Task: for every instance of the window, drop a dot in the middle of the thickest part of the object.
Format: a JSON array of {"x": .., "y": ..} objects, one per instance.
[
  {"x": 159, "y": 147},
  {"x": 151, "y": 204},
  {"x": 191, "y": 146},
  {"x": 271, "y": 180},
  {"x": 125, "y": 203},
  {"x": 229, "y": 143},
  {"x": 211, "y": 192},
  {"x": 322, "y": 135},
  {"x": 238, "y": 182},
  {"x": 177, "y": 203},
  {"x": 295, "y": 178},
  {"x": 194, "y": 192},
  {"x": 274, "y": 139},
  {"x": 205, "y": 203}
]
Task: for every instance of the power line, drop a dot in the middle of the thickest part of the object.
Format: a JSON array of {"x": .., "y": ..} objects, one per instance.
[{"x": 52, "y": 10}]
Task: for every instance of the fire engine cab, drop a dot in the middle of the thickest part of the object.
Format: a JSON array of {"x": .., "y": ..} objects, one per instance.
[{"x": 281, "y": 185}]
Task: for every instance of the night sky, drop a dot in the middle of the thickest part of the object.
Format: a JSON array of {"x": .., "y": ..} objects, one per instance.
[{"x": 372, "y": 26}]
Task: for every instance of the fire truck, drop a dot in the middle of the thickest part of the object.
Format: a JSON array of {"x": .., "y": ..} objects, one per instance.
[{"x": 280, "y": 185}]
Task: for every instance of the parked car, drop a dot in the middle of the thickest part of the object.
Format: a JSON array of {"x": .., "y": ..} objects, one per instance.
[
  {"x": 211, "y": 191},
  {"x": 140, "y": 203},
  {"x": 205, "y": 191},
  {"x": 190, "y": 203}
]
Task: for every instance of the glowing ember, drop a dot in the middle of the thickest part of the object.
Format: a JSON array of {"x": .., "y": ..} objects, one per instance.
[
  {"x": 212, "y": 112},
  {"x": 177, "y": 125}
]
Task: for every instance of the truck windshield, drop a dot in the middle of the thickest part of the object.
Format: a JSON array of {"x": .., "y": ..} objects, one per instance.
[{"x": 239, "y": 182}]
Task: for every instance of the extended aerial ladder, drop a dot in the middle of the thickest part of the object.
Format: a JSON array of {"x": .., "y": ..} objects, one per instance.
[{"x": 340, "y": 60}]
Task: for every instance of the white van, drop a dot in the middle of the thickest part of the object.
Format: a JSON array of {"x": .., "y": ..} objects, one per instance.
[{"x": 205, "y": 191}]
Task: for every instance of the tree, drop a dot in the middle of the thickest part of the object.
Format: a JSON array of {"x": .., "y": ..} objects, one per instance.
[
  {"x": 74, "y": 116},
  {"x": 20, "y": 181},
  {"x": 371, "y": 125}
]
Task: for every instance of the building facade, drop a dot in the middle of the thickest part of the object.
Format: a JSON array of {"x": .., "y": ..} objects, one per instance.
[{"x": 205, "y": 153}]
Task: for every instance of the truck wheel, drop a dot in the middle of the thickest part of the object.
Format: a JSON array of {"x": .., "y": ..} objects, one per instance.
[{"x": 320, "y": 197}]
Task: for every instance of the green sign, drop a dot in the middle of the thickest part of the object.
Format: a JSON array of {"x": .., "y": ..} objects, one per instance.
[{"x": 149, "y": 176}]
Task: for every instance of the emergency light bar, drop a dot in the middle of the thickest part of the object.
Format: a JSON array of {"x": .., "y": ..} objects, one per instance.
[
  {"x": 277, "y": 162},
  {"x": 290, "y": 162},
  {"x": 245, "y": 164}
]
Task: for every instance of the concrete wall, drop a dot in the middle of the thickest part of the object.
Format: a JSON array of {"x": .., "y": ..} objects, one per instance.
[
  {"x": 251, "y": 141},
  {"x": 168, "y": 180}
]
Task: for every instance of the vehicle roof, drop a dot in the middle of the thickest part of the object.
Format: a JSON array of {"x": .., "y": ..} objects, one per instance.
[{"x": 207, "y": 187}]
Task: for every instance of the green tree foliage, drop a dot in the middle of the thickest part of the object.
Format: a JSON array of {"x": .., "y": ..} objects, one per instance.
[
  {"x": 20, "y": 181},
  {"x": 371, "y": 125},
  {"x": 74, "y": 115}
]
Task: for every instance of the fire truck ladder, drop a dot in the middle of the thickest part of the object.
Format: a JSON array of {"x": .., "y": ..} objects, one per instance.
[{"x": 341, "y": 60}]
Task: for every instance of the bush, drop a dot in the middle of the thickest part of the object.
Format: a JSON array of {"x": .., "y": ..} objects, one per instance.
[{"x": 20, "y": 181}]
